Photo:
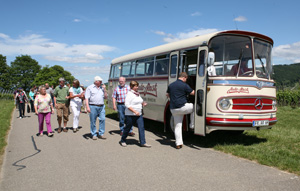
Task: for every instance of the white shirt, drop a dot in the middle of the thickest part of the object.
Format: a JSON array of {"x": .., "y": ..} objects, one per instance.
[
  {"x": 133, "y": 101},
  {"x": 76, "y": 100}
]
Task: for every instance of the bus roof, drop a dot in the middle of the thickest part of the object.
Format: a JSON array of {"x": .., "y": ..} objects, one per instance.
[{"x": 184, "y": 44}]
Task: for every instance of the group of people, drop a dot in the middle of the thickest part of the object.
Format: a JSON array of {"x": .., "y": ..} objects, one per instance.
[{"x": 126, "y": 100}]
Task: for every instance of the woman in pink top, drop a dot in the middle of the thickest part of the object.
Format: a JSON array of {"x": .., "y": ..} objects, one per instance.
[{"x": 43, "y": 108}]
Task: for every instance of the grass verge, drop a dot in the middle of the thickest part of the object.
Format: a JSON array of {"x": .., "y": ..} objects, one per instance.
[
  {"x": 277, "y": 147},
  {"x": 7, "y": 107}
]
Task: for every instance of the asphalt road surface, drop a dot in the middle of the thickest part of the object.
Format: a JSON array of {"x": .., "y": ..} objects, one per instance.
[{"x": 73, "y": 161}]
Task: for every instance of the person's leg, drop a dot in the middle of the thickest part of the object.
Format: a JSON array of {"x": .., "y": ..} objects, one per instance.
[
  {"x": 129, "y": 123},
  {"x": 59, "y": 115},
  {"x": 178, "y": 117},
  {"x": 41, "y": 122},
  {"x": 75, "y": 116},
  {"x": 102, "y": 120},
  {"x": 121, "y": 112},
  {"x": 32, "y": 106},
  {"x": 23, "y": 110},
  {"x": 65, "y": 115},
  {"x": 93, "y": 117},
  {"x": 188, "y": 108},
  {"x": 140, "y": 124},
  {"x": 20, "y": 109},
  {"x": 48, "y": 122}
]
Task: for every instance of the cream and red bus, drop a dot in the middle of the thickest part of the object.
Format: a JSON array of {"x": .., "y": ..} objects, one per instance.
[{"x": 230, "y": 72}]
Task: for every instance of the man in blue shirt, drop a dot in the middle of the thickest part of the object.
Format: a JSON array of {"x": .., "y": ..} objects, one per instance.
[
  {"x": 94, "y": 97},
  {"x": 177, "y": 92}
]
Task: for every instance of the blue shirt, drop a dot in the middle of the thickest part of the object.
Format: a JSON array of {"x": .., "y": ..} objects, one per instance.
[
  {"x": 95, "y": 95},
  {"x": 178, "y": 92}
]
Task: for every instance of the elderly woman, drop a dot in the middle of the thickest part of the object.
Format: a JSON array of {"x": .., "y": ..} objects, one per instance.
[
  {"x": 43, "y": 108},
  {"x": 133, "y": 114},
  {"x": 76, "y": 96}
]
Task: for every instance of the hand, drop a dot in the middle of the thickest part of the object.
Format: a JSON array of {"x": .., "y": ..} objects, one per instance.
[
  {"x": 137, "y": 113},
  {"x": 88, "y": 110},
  {"x": 52, "y": 111},
  {"x": 104, "y": 86},
  {"x": 115, "y": 108},
  {"x": 56, "y": 106},
  {"x": 145, "y": 103},
  {"x": 36, "y": 113}
]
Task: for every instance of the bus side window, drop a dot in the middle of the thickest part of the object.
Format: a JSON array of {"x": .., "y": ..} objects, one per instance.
[
  {"x": 140, "y": 69},
  {"x": 173, "y": 66},
  {"x": 149, "y": 68},
  {"x": 112, "y": 71},
  {"x": 117, "y": 70},
  {"x": 201, "y": 62},
  {"x": 125, "y": 69},
  {"x": 132, "y": 71}
]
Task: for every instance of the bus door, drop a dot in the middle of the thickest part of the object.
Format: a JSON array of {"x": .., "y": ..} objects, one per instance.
[
  {"x": 173, "y": 69},
  {"x": 200, "y": 92}
]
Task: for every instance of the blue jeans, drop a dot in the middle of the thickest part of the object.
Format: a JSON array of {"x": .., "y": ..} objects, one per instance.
[
  {"x": 130, "y": 121},
  {"x": 121, "y": 111},
  {"x": 97, "y": 111}
]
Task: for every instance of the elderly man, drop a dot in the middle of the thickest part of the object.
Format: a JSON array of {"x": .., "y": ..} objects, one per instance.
[
  {"x": 60, "y": 99},
  {"x": 94, "y": 97},
  {"x": 119, "y": 96}
]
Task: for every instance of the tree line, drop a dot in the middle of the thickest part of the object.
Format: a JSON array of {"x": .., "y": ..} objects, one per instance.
[
  {"x": 286, "y": 75},
  {"x": 25, "y": 72}
]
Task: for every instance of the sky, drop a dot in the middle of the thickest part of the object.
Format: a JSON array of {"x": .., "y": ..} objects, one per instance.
[{"x": 83, "y": 36}]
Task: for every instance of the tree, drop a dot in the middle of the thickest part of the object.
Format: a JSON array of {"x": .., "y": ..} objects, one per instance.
[
  {"x": 5, "y": 81},
  {"x": 51, "y": 76},
  {"x": 24, "y": 69}
]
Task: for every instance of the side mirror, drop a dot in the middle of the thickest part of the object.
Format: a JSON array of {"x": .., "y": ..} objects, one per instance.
[{"x": 211, "y": 58}]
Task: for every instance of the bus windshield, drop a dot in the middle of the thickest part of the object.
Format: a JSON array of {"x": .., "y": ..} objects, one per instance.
[
  {"x": 263, "y": 64},
  {"x": 233, "y": 56}
]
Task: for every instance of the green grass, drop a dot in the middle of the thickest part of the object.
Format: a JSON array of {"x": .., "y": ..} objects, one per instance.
[
  {"x": 7, "y": 107},
  {"x": 277, "y": 147}
]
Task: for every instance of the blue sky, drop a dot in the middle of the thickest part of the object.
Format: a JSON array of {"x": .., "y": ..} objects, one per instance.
[{"x": 84, "y": 36}]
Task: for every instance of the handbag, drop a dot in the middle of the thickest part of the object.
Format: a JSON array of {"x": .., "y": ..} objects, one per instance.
[{"x": 28, "y": 109}]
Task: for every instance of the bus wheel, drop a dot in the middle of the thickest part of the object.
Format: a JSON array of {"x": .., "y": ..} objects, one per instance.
[{"x": 170, "y": 122}]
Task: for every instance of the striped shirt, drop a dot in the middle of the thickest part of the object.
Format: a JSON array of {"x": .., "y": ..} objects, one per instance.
[{"x": 120, "y": 93}]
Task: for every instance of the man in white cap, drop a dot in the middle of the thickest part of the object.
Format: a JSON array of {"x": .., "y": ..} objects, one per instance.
[{"x": 94, "y": 97}]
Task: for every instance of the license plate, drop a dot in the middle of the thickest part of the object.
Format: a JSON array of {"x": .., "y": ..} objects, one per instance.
[{"x": 260, "y": 123}]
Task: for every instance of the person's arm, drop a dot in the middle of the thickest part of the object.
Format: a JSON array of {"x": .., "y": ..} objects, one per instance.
[
  {"x": 35, "y": 105},
  {"x": 104, "y": 90},
  {"x": 87, "y": 96},
  {"x": 51, "y": 105},
  {"x": 193, "y": 92}
]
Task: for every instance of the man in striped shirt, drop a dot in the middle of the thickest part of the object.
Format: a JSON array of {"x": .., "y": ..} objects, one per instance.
[{"x": 118, "y": 96}]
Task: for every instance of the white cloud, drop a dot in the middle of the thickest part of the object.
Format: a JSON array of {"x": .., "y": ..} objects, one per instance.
[
  {"x": 54, "y": 51},
  {"x": 289, "y": 52},
  {"x": 196, "y": 14},
  {"x": 184, "y": 35},
  {"x": 240, "y": 19},
  {"x": 76, "y": 20}
]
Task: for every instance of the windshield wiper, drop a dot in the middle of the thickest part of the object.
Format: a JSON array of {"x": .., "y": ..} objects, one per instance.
[{"x": 262, "y": 63}]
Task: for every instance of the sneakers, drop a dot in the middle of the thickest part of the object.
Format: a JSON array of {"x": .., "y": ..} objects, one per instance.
[
  {"x": 146, "y": 145},
  {"x": 50, "y": 134},
  {"x": 94, "y": 138},
  {"x": 40, "y": 134},
  {"x": 178, "y": 146},
  {"x": 75, "y": 130},
  {"x": 123, "y": 144}
]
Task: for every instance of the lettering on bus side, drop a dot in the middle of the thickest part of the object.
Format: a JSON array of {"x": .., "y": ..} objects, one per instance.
[{"x": 148, "y": 89}]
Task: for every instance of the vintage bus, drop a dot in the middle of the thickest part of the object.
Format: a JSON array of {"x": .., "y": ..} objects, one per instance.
[{"x": 230, "y": 72}]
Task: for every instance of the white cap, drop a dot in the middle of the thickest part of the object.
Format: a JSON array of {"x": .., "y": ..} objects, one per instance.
[{"x": 97, "y": 78}]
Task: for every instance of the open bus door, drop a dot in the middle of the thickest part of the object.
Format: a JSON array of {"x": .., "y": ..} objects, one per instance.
[{"x": 200, "y": 92}]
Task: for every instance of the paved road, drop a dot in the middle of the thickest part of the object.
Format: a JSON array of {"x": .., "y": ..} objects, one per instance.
[{"x": 71, "y": 161}]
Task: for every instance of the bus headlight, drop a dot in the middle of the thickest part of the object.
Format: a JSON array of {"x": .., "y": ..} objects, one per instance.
[
  {"x": 224, "y": 104},
  {"x": 274, "y": 103}
]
